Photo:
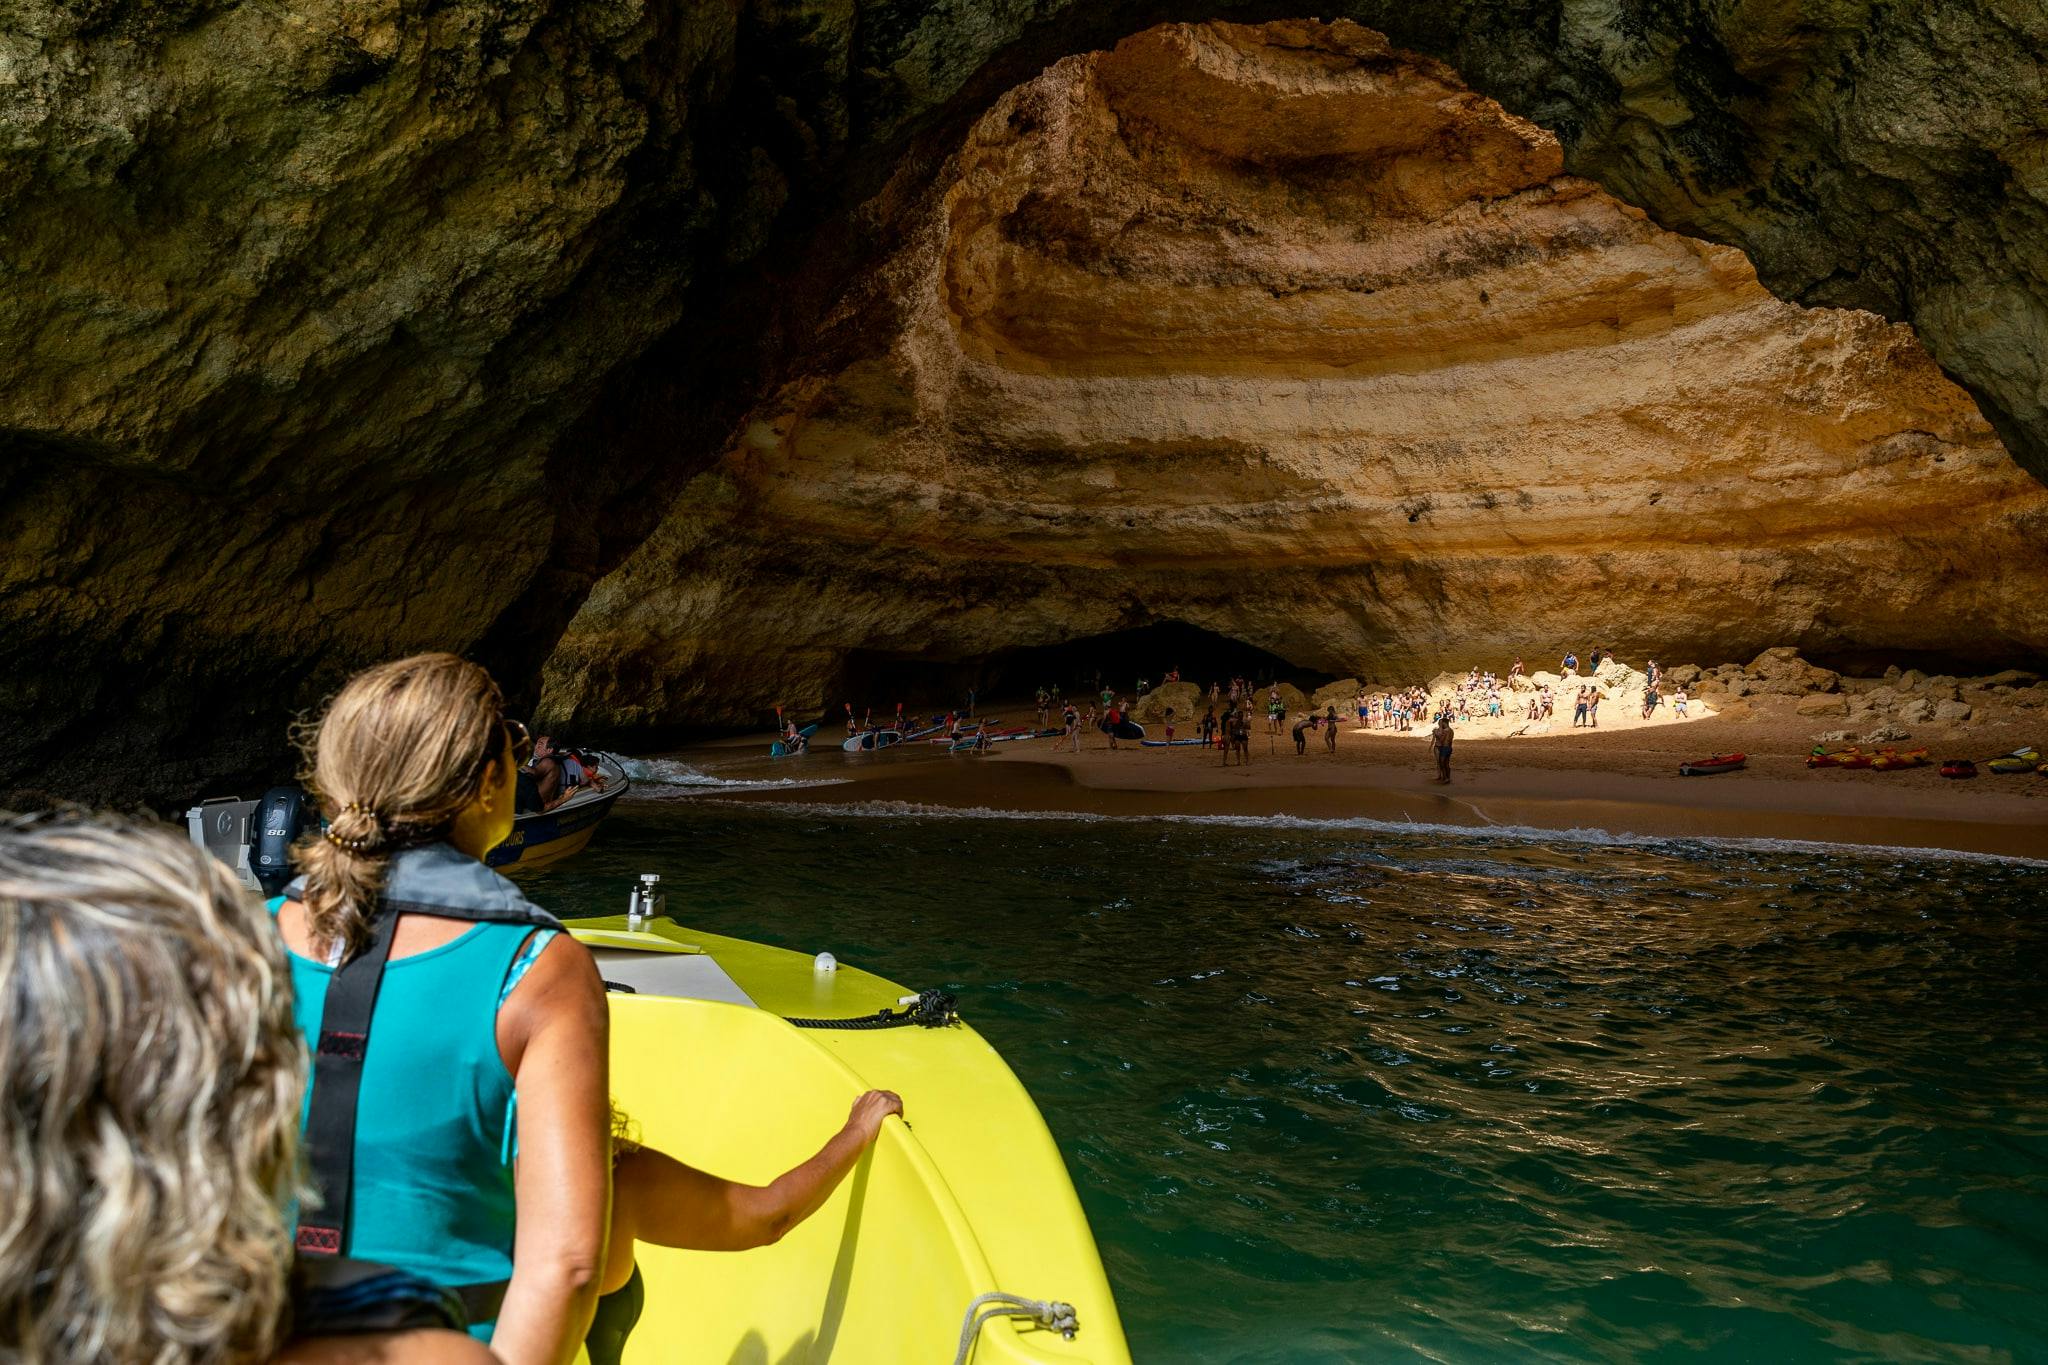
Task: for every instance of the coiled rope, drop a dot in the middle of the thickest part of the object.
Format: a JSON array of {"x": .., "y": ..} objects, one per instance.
[
  {"x": 930, "y": 1009},
  {"x": 1048, "y": 1313}
]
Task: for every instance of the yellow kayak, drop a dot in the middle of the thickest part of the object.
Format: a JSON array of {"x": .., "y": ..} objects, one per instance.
[{"x": 960, "y": 1229}]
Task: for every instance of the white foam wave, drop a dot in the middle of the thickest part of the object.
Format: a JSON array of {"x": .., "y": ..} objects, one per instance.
[
  {"x": 671, "y": 772},
  {"x": 901, "y": 810}
]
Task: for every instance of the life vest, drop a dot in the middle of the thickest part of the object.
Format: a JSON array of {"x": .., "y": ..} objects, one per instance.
[{"x": 432, "y": 879}]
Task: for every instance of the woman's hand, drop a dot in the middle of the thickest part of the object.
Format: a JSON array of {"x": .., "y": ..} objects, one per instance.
[{"x": 869, "y": 1111}]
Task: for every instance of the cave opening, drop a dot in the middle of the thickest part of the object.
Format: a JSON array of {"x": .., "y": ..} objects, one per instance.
[{"x": 1118, "y": 659}]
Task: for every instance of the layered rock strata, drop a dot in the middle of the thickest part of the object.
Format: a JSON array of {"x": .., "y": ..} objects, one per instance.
[
  {"x": 1286, "y": 334},
  {"x": 346, "y": 329}
]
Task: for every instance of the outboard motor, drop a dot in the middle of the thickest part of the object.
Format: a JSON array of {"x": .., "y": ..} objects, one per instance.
[{"x": 281, "y": 816}]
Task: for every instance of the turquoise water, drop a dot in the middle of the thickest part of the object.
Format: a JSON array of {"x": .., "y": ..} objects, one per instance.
[{"x": 1337, "y": 1093}]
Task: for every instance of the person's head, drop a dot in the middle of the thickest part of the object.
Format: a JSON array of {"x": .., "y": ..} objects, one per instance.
[
  {"x": 407, "y": 753},
  {"x": 151, "y": 1073},
  {"x": 544, "y": 746}
]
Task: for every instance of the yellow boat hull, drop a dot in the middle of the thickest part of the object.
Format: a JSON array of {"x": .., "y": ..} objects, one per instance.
[{"x": 969, "y": 1197}]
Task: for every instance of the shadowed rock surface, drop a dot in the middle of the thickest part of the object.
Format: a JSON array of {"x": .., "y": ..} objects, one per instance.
[
  {"x": 1285, "y": 334},
  {"x": 350, "y": 329}
]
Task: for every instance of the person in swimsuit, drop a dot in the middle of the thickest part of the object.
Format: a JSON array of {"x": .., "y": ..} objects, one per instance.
[
  {"x": 1330, "y": 730},
  {"x": 1440, "y": 740}
]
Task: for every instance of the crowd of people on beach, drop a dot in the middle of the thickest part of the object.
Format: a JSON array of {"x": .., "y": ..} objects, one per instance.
[{"x": 1226, "y": 714}]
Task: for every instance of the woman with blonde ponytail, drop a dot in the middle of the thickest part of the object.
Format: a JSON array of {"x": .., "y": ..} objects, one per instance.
[{"x": 457, "y": 1123}]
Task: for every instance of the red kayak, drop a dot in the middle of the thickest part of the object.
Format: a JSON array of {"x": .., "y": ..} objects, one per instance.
[
  {"x": 1958, "y": 767},
  {"x": 1719, "y": 763}
]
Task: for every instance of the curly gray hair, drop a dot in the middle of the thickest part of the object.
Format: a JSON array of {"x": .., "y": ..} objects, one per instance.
[{"x": 151, "y": 1076}]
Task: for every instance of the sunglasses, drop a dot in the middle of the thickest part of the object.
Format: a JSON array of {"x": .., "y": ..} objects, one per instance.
[{"x": 521, "y": 740}]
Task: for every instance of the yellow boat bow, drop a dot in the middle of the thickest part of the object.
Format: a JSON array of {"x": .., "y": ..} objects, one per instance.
[{"x": 959, "y": 1236}]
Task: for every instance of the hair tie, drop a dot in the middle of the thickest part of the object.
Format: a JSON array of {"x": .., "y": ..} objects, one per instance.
[{"x": 362, "y": 843}]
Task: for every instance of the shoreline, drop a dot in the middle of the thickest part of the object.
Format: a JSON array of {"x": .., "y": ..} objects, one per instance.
[{"x": 1622, "y": 784}]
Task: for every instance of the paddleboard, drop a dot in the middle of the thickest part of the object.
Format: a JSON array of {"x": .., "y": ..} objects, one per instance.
[{"x": 1169, "y": 743}]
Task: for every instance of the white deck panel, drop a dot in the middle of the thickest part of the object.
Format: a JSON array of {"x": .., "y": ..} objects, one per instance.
[{"x": 692, "y": 976}]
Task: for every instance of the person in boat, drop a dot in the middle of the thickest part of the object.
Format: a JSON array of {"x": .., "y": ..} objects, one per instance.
[
  {"x": 151, "y": 1075},
  {"x": 482, "y": 1106},
  {"x": 460, "y": 1087},
  {"x": 541, "y": 783}
]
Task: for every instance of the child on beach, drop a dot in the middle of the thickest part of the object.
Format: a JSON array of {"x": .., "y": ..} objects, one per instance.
[
  {"x": 1678, "y": 700},
  {"x": 1169, "y": 725}
]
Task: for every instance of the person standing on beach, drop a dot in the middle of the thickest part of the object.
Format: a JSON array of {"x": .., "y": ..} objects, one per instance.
[
  {"x": 1593, "y": 707},
  {"x": 1330, "y": 729},
  {"x": 970, "y": 703},
  {"x": 1579, "y": 709},
  {"x": 1440, "y": 740},
  {"x": 1242, "y": 732},
  {"x": 1169, "y": 725},
  {"x": 1570, "y": 664},
  {"x": 1209, "y": 727},
  {"x": 1595, "y": 661},
  {"x": 1301, "y": 735}
]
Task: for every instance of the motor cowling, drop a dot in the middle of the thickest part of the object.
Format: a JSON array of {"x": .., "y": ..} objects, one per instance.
[{"x": 280, "y": 818}]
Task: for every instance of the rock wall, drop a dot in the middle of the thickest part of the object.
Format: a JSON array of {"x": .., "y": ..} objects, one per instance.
[
  {"x": 344, "y": 329},
  {"x": 1286, "y": 334}
]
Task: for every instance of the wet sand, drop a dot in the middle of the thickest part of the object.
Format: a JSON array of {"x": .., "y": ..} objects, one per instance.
[{"x": 1621, "y": 781}]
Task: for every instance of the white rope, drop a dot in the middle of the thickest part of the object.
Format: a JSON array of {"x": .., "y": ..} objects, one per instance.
[{"x": 1049, "y": 1313}]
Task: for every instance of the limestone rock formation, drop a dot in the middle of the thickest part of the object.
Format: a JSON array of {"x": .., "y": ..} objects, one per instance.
[
  {"x": 347, "y": 328},
  {"x": 1286, "y": 334}
]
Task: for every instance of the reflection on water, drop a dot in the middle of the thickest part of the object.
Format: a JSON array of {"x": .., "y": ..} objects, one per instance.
[{"x": 1337, "y": 1094}]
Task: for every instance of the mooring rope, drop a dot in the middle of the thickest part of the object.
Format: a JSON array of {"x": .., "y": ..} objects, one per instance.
[
  {"x": 930, "y": 1009},
  {"x": 1048, "y": 1313}
]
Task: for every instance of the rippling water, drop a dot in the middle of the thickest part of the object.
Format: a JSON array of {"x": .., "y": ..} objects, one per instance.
[{"x": 1333, "y": 1094}]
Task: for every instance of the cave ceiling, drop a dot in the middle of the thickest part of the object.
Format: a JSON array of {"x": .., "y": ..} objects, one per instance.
[{"x": 358, "y": 327}]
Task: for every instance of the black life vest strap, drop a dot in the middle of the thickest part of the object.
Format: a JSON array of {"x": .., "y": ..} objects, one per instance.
[{"x": 337, "y": 1085}]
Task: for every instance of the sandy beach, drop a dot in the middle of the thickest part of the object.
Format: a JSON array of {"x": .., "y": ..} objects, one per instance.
[{"x": 1621, "y": 779}]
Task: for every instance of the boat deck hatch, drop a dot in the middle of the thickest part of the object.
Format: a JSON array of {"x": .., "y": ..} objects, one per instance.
[{"x": 692, "y": 976}]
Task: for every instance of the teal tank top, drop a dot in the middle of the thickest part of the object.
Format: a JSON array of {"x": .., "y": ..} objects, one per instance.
[{"x": 435, "y": 1130}]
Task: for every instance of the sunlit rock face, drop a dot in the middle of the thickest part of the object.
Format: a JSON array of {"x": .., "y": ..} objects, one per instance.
[{"x": 1286, "y": 334}]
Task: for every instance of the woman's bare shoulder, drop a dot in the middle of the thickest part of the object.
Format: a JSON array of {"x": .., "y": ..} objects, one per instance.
[{"x": 389, "y": 1348}]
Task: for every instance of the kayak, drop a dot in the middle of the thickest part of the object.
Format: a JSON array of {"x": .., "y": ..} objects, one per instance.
[
  {"x": 1169, "y": 743},
  {"x": 2018, "y": 761},
  {"x": 1008, "y": 736},
  {"x": 868, "y": 740},
  {"x": 1891, "y": 759},
  {"x": 1958, "y": 767},
  {"x": 1719, "y": 763},
  {"x": 1123, "y": 729},
  {"x": 780, "y": 748},
  {"x": 967, "y": 1200}
]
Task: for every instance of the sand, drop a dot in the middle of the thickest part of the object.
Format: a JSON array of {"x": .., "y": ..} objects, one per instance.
[{"x": 1621, "y": 778}]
